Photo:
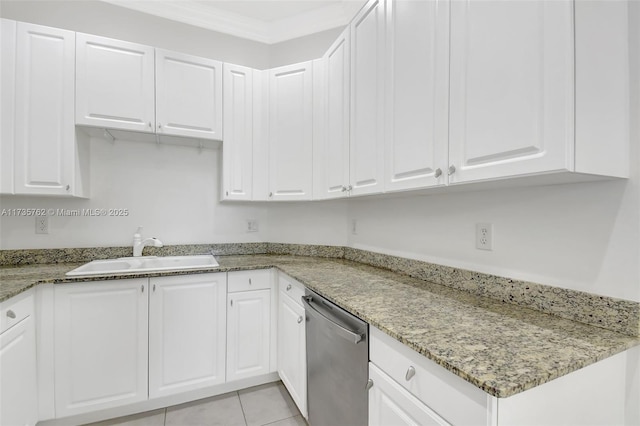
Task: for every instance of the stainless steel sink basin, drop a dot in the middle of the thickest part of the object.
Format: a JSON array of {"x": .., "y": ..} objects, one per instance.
[{"x": 144, "y": 264}]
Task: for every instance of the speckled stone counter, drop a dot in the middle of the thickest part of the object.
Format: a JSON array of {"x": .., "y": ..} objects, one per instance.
[{"x": 500, "y": 348}]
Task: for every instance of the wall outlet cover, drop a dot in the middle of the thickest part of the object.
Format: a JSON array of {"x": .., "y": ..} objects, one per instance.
[
  {"x": 484, "y": 236},
  {"x": 42, "y": 224}
]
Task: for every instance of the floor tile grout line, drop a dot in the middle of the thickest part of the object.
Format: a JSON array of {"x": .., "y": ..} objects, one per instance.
[{"x": 244, "y": 416}]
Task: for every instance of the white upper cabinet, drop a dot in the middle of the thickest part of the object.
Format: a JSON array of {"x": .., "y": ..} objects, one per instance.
[
  {"x": 418, "y": 97},
  {"x": 47, "y": 158},
  {"x": 237, "y": 150},
  {"x": 115, "y": 84},
  {"x": 188, "y": 95},
  {"x": 291, "y": 132},
  {"x": 512, "y": 91},
  {"x": 7, "y": 103},
  {"x": 367, "y": 99},
  {"x": 187, "y": 333},
  {"x": 331, "y": 148}
]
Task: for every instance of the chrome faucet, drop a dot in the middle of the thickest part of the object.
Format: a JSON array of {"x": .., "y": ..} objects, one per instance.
[{"x": 139, "y": 244}]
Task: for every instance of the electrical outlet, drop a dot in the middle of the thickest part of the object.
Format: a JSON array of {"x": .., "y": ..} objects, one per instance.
[
  {"x": 484, "y": 236},
  {"x": 354, "y": 227},
  {"x": 252, "y": 225},
  {"x": 42, "y": 224}
]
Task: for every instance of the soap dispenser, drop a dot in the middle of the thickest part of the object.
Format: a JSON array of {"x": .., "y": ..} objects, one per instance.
[{"x": 137, "y": 237}]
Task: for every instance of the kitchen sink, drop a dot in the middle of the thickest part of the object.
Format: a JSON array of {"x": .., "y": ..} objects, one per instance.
[{"x": 144, "y": 264}]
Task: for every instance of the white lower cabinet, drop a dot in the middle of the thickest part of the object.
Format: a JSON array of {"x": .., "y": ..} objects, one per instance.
[
  {"x": 248, "y": 341},
  {"x": 18, "y": 387},
  {"x": 390, "y": 404},
  {"x": 251, "y": 324},
  {"x": 187, "y": 332},
  {"x": 292, "y": 350},
  {"x": 100, "y": 345}
]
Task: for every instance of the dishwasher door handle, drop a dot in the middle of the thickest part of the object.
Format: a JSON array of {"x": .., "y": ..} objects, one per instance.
[{"x": 344, "y": 332}]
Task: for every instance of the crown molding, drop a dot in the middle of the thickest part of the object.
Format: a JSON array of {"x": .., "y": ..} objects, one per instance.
[{"x": 215, "y": 19}]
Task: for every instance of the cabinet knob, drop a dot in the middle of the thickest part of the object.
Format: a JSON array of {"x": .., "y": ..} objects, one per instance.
[
  {"x": 249, "y": 281},
  {"x": 410, "y": 373},
  {"x": 369, "y": 385},
  {"x": 227, "y": 193},
  {"x": 289, "y": 287},
  {"x": 299, "y": 320},
  {"x": 452, "y": 169},
  {"x": 68, "y": 187},
  {"x": 150, "y": 126},
  {"x": 344, "y": 189},
  {"x": 349, "y": 187},
  {"x": 142, "y": 289},
  {"x": 270, "y": 194},
  {"x": 231, "y": 302},
  {"x": 438, "y": 173},
  {"x": 11, "y": 314},
  {"x": 159, "y": 126},
  {"x": 154, "y": 287}
]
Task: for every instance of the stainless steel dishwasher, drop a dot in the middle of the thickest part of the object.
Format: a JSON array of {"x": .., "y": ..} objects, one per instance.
[{"x": 337, "y": 364}]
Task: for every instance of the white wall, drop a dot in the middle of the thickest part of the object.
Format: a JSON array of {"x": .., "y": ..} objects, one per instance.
[{"x": 172, "y": 191}]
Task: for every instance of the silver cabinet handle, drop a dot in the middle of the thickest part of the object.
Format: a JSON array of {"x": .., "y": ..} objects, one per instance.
[
  {"x": 271, "y": 194},
  {"x": 154, "y": 287},
  {"x": 68, "y": 187},
  {"x": 452, "y": 169},
  {"x": 11, "y": 314},
  {"x": 142, "y": 288},
  {"x": 344, "y": 189},
  {"x": 150, "y": 126},
  {"x": 289, "y": 287},
  {"x": 349, "y": 187},
  {"x": 227, "y": 193},
  {"x": 249, "y": 281},
  {"x": 231, "y": 302},
  {"x": 438, "y": 173},
  {"x": 369, "y": 385},
  {"x": 299, "y": 320},
  {"x": 410, "y": 373},
  {"x": 159, "y": 126}
]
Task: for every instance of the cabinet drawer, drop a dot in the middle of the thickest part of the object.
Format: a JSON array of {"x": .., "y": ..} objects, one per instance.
[
  {"x": 249, "y": 280},
  {"x": 452, "y": 398},
  {"x": 291, "y": 288},
  {"x": 16, "y": 309}
]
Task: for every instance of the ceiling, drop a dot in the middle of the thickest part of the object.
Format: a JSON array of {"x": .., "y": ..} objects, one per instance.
[{"x": 266, "y": 21}]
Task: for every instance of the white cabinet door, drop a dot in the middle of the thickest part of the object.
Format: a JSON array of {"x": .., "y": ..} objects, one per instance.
[
  {"x": 511, "y": 88},
  {"x": 418, "y": 94},
  {"x": 7, "y": 105},
  {"x": 18, "y": 387},
  {"x": 290, "y": 132},
  {"x": 249, "y": 334},
  {"x": 237, "y": 147},
  {"x": 114, "y": 84},
  {"x": 292, "y": 350},
  {"x": 367, "y": 99},
  {"x": 390, "y": 404},
  {"x": 44, "y": 156},
  {"x": 187, "y": 332},
  {"x": 331, "y": 158},
  {"x": 188, "y": 95},
  {"x": 101, "y": 342}
]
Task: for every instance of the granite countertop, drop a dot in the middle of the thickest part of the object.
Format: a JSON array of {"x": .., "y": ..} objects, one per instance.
[{"x": 498, "y": 347}]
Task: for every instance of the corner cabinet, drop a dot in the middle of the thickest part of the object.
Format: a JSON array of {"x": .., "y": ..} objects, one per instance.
[
  {"x": 291, "y": 132},
  {"x": 292, "y": 350},
  {"x": 331, "y": 147},
  {"x": 101, "y": 341},
  {"x": 368, "y": 63},
  {"x": 417, "y": 81},
  {"x": 187, "y": 332},
  {"x": 49, "y": 157},
  {"x": 18, "y": 387}
]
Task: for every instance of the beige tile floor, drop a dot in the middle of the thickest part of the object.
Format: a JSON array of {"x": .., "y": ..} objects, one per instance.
[{"x": 268, "y": 404}]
